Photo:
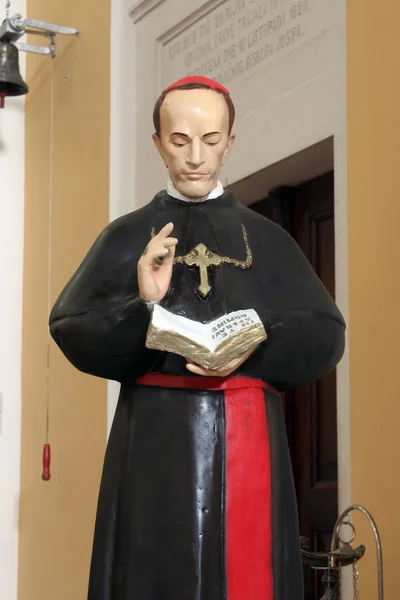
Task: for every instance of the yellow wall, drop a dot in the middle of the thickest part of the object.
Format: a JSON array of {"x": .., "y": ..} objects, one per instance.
[
  {"x": 374, "y": 258},
  {"x": 56, "y": 518}
]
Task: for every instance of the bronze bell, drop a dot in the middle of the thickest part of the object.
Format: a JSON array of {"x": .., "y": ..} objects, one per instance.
[{"x": 11, "y": 82}]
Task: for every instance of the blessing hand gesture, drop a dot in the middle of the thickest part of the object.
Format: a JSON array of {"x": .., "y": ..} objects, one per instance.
[{"x": 154, "y": 269}]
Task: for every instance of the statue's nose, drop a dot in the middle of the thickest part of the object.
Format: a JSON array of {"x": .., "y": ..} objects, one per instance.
[{"x": 195, "y": 154}]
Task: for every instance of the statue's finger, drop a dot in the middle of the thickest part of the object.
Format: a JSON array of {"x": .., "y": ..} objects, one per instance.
[
  {"x": 195, "y": 369},
  {"x": 170, "y": 242},
  {"x": 164, "y": 232},
  {"x": 171, "y": 255},
  {"x": 150, "y": 254}
]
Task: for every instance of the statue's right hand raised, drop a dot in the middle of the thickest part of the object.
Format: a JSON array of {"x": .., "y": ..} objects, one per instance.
[{"x": 154, "y": 268}]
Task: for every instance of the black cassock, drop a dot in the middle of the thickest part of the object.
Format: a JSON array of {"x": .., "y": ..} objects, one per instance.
[{"x": 170, "y": 523}]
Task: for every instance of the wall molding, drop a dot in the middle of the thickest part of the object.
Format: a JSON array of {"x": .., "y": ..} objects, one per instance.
[
  {"x": 141, "y": 8},
  {"x": 188, "y": 21}
]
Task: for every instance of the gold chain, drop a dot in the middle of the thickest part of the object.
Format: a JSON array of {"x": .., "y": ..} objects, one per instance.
[
  {"x": 356, "y": 582},
  {"x": 242, "y": 264}
]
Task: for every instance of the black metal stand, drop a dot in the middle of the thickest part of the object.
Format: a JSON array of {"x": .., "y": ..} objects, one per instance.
[{"x": 343, "y": 556}]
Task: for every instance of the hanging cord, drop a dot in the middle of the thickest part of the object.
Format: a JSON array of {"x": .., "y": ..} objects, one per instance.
[
  {"x": 8, "y": 4},
  {"x": 46, "y": 450}
]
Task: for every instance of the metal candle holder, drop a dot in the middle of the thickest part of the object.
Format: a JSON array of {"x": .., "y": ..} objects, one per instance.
[{"x": 342, "y": 554}]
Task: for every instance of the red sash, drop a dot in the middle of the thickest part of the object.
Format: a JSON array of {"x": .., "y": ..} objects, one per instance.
[{"x": 248, "y": 480}]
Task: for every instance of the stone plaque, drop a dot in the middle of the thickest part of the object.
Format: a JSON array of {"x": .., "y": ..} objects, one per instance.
[{"x": 231, "y": 40}]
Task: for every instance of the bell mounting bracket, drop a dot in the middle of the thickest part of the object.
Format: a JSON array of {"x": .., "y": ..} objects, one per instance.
[{"x": 13, "y": 28}]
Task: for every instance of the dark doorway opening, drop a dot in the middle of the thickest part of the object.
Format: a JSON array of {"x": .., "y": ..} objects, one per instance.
[{"x": 306, "y": 211}]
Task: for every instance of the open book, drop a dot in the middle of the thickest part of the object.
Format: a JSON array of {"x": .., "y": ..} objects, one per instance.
[{"x": 211, "y": 345}]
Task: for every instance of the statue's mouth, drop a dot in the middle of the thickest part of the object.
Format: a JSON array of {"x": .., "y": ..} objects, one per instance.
[{"x": 195, "y": 176}]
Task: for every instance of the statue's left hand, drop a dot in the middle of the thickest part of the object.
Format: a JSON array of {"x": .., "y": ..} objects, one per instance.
[{"x": 224, "y": 371}]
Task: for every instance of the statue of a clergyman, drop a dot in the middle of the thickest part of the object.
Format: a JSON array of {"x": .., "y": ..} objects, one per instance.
[{"x": 204, "y": 311}]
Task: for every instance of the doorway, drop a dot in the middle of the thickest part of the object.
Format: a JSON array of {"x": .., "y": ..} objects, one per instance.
[{"x": 306, "y": 211}]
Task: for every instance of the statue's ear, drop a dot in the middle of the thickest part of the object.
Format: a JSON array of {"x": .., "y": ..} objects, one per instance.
[
  {"x": 231, "y": 141},
  {"x": 159, "y": 147}
]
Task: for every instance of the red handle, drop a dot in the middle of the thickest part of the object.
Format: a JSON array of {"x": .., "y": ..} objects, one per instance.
[{"x": 46, "y": 463}]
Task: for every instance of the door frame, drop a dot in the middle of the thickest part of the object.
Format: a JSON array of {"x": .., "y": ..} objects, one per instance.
[{"x": 294, "y": 170}]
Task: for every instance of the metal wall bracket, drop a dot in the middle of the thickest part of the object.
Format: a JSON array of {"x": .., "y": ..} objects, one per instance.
[{"x": 12, "y": 29}]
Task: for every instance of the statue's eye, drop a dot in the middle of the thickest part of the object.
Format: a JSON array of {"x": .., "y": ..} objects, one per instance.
[
  {"x": 178, "y": 140},
  {"x": 212, "y": 139}
]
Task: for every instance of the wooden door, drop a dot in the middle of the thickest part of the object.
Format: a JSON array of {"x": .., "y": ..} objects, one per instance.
[{"x": 307, "y": 212}]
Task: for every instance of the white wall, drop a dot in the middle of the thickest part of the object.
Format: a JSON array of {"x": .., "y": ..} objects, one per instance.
[
  {"x": 12, "y": 160},
  {"x": 288, "y": 102},
  {"x": 123, "y": 113}
]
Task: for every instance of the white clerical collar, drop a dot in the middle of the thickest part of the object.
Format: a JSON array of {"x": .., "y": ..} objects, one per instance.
[{"x": 215, "y": 193}]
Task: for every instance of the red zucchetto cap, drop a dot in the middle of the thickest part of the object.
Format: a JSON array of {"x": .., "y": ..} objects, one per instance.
[{"x": 197, "y": 79}]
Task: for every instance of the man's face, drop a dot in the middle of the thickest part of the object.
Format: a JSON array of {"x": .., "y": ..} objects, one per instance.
[{"x": 195, "y": 140}]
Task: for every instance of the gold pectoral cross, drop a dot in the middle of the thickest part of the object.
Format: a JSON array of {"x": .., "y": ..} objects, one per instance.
[{"x": 203, "y": 258}]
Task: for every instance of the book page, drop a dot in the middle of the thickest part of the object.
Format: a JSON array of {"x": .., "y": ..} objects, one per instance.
[
  {"x": 209, "y": 335},
  {"x": 222, "y": 328}
]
